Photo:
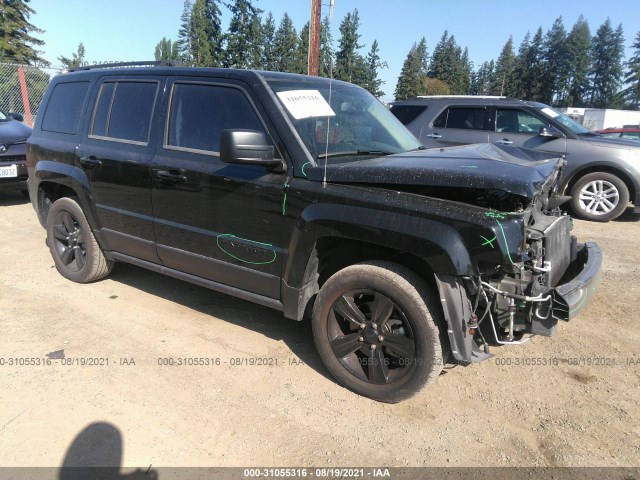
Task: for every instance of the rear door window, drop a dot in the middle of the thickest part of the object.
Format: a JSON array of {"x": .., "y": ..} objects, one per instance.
[
  {"x": 124, "y": 110},
  {"x": 517, "y": 121},
  {"x": 466, "y": 118}
]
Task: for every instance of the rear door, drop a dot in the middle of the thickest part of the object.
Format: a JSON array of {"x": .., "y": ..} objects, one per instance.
[
  {"x": 457, "y": 125},
  {"x": 116, "y": 153},
  {"x": 214, "y": 220}
]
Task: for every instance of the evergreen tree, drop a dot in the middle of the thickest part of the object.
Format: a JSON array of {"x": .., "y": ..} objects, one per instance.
[
  {"x": 579, "y": 55},
  {"x": 166, "y": 50},
  {"x": 302, "y": 51},
  {"x": 372, "y": 83},
  {"x": 607, "y": 70},
  {"x": 502, "y": 80},
  {"x": 184, "y": 33},
  {"x": 528, "y": 71},
  {"x": 414, "y": 69},
  {"x": 556, "y": 68},
  {"x": 450, "y": 66},
  {"x": 326, "y": 59},
  {"x": 244, "y": 37},
  {"x": 350, "y": 65},
  {"x": 17, "y": 44},
  {"x": 285, "y": 45},
  {"x": 206, "y": 34},
  {"x": 632, "y": 92},
  {"x": 269, "y": 60},
  {"x": 76, "y": 60},
  {"x": 481, "y": 84}
]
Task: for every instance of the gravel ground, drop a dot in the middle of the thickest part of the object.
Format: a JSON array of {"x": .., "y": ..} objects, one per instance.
[{"x": 570, "y": 400}]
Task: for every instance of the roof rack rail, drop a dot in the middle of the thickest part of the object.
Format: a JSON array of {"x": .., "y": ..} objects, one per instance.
[{"x": 160, "y": 63}]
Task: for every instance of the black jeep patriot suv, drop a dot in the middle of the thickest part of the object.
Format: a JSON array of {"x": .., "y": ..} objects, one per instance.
[{"x": 306, "y": 195}]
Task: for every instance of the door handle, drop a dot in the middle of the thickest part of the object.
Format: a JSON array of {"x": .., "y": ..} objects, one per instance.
[
  {"x": 433, "y": 135},
  {"x": 171, "y": 178},
  {"x": 504, "y": 141},
  {"x": 91, "y": 162}
]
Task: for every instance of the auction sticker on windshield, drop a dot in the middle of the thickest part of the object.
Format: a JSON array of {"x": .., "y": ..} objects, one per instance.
[
  {"x": 305, "y": 104},
  {"x": 549, "y": 112}
]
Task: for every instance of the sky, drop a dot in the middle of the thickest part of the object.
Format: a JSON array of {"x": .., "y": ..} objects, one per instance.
[{"x": 128, "y": 30}]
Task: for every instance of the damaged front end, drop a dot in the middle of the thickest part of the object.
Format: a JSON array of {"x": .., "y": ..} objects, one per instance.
[{"x": 543, "y": 276}]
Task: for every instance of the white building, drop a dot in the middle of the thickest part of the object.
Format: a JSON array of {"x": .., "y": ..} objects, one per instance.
[{"x": 601, "y": 118}]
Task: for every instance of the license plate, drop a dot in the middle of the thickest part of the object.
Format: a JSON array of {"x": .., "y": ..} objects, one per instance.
[{"x": 10, "y": 171}]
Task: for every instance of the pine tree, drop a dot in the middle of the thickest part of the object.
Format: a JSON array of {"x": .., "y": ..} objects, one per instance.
[
  {"x": 449, "y": 65},
  {"x": 607, "y": 71},
  {"x": 579, "y": 55},
  {"x": 166, "y": 50},
  {"x": 76, "y": 60},
  {"x": 302, "y": 51},
  {"x": 326, "y": 60},
  {"x": 350, "y": 65},
  {"x": 502, "y": 80},
  {"x": 244, "y": 37},
  {"x": 481, "y": 84},
  {"x": 414, "y": 70},
  {"x": 372, "y": 83},
  {"x": 269, "y": 60},
  {"x": 17, "y": 44},
  {"x": 206, "y": 34},
  {"x": 556, "y": 69},
  {"x": 285, "y": 45},
  {"x": 184, "y": 34},
  {"x": 528, "y": 71},
  {"x": 632, "y": 92}
]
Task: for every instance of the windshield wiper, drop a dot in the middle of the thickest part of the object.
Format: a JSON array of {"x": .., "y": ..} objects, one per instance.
[{"x": 353, "y": 154}]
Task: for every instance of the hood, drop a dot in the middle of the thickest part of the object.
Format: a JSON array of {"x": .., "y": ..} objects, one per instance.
[
  {"x": 601, "y": 141},
  {"x": 12, "y": 131},
  {"x": 485, "y": 166}
]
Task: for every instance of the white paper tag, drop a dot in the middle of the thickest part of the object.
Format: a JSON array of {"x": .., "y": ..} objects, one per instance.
[
  {"x": 551, "y": 113},
  {"x": 306, "y": 104}
]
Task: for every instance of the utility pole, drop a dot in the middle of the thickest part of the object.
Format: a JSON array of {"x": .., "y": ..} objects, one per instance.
[{"x": 314, "y": 37}]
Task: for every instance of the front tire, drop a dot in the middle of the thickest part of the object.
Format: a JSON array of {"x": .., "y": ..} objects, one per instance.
[
  {"x": 599, "y": 197},
  {"x": 375, "y": 325},
  {"x": 74, "y": 249}
]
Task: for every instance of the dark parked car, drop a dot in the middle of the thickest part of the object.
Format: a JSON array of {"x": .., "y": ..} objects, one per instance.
[
  {"x": 13, "y": 139},
  {"x": 602, "y": 174},
  {"x": 629, "y": 133},
  {"x": 307, "y": 196}
]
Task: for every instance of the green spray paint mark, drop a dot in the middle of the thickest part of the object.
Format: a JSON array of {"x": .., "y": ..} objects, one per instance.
[
  {"x": 261, "y": 246},
  {"x": 305, "y": 166},
  {"x": 284, "y": 200},
  {"x": 488, "y": 242},
  {"x": 497, "y": 217}
]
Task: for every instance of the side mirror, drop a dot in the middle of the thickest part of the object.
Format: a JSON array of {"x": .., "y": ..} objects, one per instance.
[
  {"x": 247, "y": 147},
  {"x": 15, "y": 116},
  {"x": 550, "y": 132}
]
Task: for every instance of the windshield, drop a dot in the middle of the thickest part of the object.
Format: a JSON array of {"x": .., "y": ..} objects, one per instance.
[
  {"x": 3, "y": 116},
  {"x": 565, "y": 120},
  {"x": 342, "y": 125}
]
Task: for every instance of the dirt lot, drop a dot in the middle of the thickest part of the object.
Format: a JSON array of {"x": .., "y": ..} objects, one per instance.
[{"x": 574, "y": 402}]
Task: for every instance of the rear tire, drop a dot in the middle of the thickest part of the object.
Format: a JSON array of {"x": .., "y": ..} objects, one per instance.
[
  {"x": 599, "y": 197},
  {"x": 74, "y": 249},
  {"x": 375, "y": 325}
]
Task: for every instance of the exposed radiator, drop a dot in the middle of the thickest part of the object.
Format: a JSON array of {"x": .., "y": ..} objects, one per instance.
[{"x": 557, "y": 248}]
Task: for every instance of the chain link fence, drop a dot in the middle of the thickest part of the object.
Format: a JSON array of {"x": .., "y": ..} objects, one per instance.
[{"x": 22, "y": 88}]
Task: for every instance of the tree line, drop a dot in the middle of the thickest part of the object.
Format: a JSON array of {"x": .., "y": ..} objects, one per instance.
[
  {"x": 558, "y": 67},
  {"x": 253, "y": 42}
]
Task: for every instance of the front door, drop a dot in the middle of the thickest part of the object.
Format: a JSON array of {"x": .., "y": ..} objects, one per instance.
[{"x": 214, "y": 220}]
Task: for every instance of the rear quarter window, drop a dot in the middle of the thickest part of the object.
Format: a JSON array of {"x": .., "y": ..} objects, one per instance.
[
  {"x": 407, "y": 113},
  {"x": 64, "y": 108}
]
